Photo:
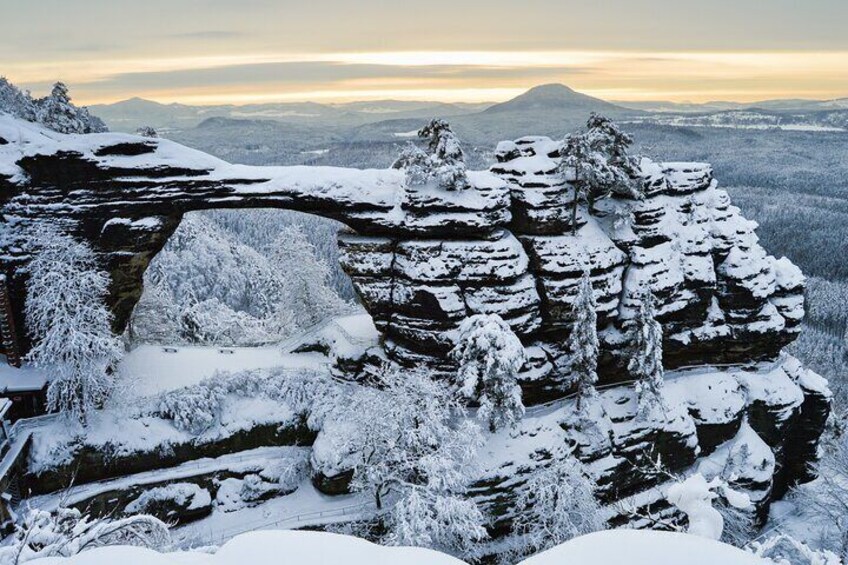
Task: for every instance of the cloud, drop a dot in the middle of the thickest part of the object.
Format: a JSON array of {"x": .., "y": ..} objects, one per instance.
[
  {"x": 207, "y": 34},
  {"x": 323, "y": 72}
]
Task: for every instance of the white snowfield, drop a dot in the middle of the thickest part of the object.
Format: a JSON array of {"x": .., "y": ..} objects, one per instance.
[{"x": 615, "y": 547}]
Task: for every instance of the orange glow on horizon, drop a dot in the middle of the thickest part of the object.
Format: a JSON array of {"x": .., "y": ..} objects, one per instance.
[{"x": 493, "y": 76}]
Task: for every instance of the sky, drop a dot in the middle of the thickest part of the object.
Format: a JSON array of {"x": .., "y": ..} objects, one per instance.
[{"x": 253, "y": 51}]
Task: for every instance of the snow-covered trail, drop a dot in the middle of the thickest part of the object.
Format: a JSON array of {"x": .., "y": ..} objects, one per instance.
[
  {"x": 305, "y": 507},
  {"x": 152, "y": 369}
]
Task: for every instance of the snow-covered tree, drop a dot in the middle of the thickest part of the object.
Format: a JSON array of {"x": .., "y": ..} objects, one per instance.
[
  {"x": 783, "y": 549},
  {"x": 583, "y": 168},
  {"x": 147, "y": 131},
  {"x": 489, "y": 356},
  {"x": 443, "y": 143},
  {"x": 66, "y": 532},
  {"x": 826, "y": 503},
  {"x": 425, "y": 517},
  {"x": 597, "y": 165},
  {"x": 416, "y": 165},
  {"x": 207, "y": 285},
  {"x": 15, "y": 102},
  {"x": 443, "y": 162},
  {"x": 583, "y": 343},
  {"x": 645, "y": 363},
  {"x": 54, "y": 111},
  {"x": 411, "y": 448},
  {"x": 58, "y": 113},
  {"x": 305, "y": 275},
  {"x": 613, "y": 144},
  {"x": 556, "y": 504},
  {"x": 70, "y": 324}
]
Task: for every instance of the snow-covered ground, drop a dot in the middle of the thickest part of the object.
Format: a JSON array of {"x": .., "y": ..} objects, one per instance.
[
  {"x": 639, "y": 547},
  {"x": 150, "y": 369},
  {"x": 318, "y": 548}
]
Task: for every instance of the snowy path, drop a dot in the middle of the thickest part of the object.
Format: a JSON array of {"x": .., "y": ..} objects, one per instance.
[
  {"x": 305, "y": 507},
  {"x": 152, "y": 369}
]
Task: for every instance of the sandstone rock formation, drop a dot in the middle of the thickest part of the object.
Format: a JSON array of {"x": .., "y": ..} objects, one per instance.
[{"x": 422, "y": 260}]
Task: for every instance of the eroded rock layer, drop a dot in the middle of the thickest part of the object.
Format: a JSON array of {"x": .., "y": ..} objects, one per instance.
[{"x": 423, "y": 258}]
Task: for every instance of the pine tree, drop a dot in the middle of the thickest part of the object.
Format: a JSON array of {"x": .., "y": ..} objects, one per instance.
[
  {"x": 490, "y": 355},
  {"x": 597, "y": 164},
  {"x": 16, "y": 103},
  {"x": 621, "y": 170},
  {"x": 58, "y": 113},
  {"x": 443, "y": 143},
  {"x": 70, "y": 324},
  {"x": 583, "y": 342},
  {"x": 645, "y": 363},
  {"x": 443, "y": 162},
  {"x": 579, "y": 167}
]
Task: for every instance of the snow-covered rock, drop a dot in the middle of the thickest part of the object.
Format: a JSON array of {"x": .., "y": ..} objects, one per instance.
[{"x": 423, "y": 259}]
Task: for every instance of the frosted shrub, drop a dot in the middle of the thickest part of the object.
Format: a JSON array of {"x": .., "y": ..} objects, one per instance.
[
  {"x": 197, "y": 408},
  {"x": 782, "y": 549},
  {"x": 288, "y": 472},
  {"x": 193, "y": 409},
  {"x": 67, "y": 532},
  {"x": 556, "y": 503}
]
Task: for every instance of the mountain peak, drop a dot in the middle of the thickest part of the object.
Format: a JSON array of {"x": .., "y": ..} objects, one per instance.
[
  {"x": 551, "y": 89},
  {"x": 553, "y": 96}
]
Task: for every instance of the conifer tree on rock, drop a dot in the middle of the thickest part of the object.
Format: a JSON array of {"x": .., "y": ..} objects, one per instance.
[
  {"x": 490, "y": 356},
  {"x": 597, "y": 164},
  {"x": 15, "y": 102},
  {"x": 582, "y": 168},
  {"x": 443, "y": 162},
  {"x": 71, "y": 325},
  {"x": 58, "y": 113},
  {"x": 645, "y": 363},
  {"x": 583, "y": 342},
  {"x": 613, "y": 144}
]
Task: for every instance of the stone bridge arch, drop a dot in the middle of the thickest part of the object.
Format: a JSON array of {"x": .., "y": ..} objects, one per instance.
[{"x": 424, "y": 258}]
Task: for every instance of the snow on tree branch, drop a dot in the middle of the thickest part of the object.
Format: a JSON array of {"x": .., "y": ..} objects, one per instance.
[
  {"x": 70, "y": 324},
  {"x": 490, "y": 356}
]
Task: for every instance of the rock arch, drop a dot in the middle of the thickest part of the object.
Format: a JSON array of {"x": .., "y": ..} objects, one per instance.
[{"x": 424, "y": 258}]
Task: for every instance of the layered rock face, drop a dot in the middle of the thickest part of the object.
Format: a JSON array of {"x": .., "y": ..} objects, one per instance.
[{"x": 423, "y": 258}]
